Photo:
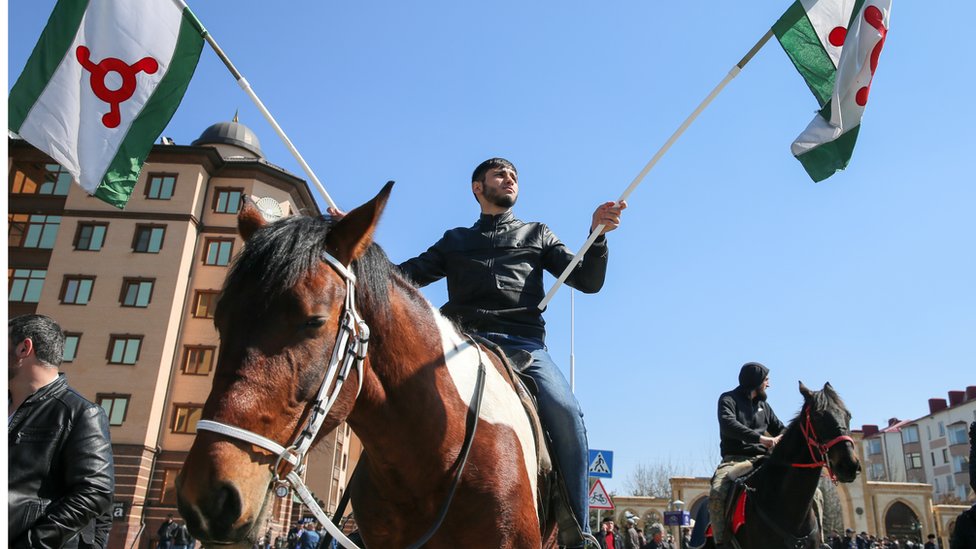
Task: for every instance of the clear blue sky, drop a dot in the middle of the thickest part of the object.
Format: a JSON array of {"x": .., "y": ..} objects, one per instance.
[{"x": 728, "y": 253}]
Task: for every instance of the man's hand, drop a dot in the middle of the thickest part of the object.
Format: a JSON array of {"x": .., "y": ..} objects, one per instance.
[
  {"x": 608, "y": 215},
  {"x": 769, "y": 442}
]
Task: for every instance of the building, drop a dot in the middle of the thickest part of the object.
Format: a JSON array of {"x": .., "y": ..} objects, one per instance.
[
  {"x": 933, "y": 449},
  {"x": 135, "y": 290}
]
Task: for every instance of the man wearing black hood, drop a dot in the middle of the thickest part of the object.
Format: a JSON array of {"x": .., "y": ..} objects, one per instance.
[
  {"x": 964, "y": 536},
  {"x": 748, "y": 429}
]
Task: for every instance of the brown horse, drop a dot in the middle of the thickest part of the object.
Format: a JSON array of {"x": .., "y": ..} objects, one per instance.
[{"x": 279, "y": 320}]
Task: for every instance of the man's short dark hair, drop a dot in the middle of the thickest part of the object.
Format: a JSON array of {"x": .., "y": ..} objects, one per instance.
[
  {"x": 44, "y": 332},
  {"x": 482, "y": 169}
]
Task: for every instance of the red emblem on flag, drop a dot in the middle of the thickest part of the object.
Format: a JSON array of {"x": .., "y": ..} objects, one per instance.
[
  {"x": 118, "y": 96},
  {"x": 875, "y": 18}
]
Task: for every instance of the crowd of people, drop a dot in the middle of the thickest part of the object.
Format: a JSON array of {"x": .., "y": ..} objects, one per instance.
[
  {"x": 852, "y": 540},
  {"x": 612, "y": 536}
]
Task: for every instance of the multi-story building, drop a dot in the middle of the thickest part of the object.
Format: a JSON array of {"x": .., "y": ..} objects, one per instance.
[
  {"x": 933, "y": 449},
  {"x": 135, "y": 290}
]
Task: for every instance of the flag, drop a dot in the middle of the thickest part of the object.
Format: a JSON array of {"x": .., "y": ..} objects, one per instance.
[
  {"x": 100, "y": 86},
  {"x": 835, "y": 45}
]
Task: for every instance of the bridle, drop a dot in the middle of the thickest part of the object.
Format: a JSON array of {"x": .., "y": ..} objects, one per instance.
[
  {"x": 349, "y": 352},
  {"x": 818, "y": 451}
]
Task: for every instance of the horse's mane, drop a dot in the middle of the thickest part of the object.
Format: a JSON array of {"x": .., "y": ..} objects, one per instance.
[
  {"x": 280, "y": 254},
  {"x": 820, "y": 401}
]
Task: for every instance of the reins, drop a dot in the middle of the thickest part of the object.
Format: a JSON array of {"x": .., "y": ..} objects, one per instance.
[{"x": 349, "y": 352}]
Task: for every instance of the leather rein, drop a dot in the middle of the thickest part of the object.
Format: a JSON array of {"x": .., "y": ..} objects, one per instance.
[{"x": 352, "y": 342}]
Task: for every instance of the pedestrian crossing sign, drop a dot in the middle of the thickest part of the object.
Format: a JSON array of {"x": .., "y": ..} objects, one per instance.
[{"x": 601, "y": 464}]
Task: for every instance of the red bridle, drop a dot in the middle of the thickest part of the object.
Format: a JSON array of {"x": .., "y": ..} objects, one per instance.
[{"x": 816, "y": 447}]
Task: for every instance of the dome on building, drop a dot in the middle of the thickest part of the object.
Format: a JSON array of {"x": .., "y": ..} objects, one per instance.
[{"x": 231, "y": 133}]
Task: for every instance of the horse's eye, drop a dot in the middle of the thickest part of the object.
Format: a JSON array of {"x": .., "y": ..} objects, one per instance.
[{"x": 315, "y": 322}]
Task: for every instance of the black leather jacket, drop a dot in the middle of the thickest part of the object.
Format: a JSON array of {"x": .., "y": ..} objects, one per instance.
[
  {"x": 494, "y": 273},
  {"x": 741, "y": 420},
  {"x": 61, "y": 472}
]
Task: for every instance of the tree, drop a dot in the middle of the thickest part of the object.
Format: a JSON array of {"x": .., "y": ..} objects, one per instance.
[
  {"x": 654, "y": 480},
  {"x": 833, "y": 514}
]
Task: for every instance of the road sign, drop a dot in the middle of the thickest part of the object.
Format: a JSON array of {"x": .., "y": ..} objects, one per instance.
[
  {"x": 599, "y": 498},
  {"x": 601, "y": 463}
]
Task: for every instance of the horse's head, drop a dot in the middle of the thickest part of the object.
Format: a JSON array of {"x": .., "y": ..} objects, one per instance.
[
  {"x": 827, "y": 428},
  {"x": 279, "y": 318}
]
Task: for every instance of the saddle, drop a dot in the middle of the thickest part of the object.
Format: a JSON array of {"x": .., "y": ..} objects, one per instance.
[
  {"x": 552, "y": 497},
  {"x": 735, "y": 503}
]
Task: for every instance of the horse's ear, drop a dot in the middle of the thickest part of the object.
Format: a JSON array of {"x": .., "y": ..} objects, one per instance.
[
  {"x": 249, "y": 219},
  {"x": 807, "y": 393},
  {"x": 354, "y": 232}
]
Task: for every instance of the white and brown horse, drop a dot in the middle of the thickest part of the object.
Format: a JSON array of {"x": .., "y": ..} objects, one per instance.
[{"x": 278, "y": 317}]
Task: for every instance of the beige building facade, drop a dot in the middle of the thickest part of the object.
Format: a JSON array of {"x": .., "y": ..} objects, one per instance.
[{"x": 135, "y": 289}]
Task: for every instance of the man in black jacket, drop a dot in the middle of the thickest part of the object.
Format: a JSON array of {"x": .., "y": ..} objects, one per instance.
[
  {"x": 748, "y": 429},
  {"x": 61, "y": 474},
  {"x": 494, "y": 282}
]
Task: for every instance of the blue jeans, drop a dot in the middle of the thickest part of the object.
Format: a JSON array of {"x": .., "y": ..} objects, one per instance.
[{"x": 561, "y": 416}]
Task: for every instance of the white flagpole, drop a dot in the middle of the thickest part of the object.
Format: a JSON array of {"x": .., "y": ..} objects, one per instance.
[
  {"x": 246, "y": 86},
  {"x": 647, "y": 168}
]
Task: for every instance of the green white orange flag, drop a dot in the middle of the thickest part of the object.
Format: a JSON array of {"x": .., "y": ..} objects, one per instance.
[
  {"x": 835, "y": 44},
  {"x": 100, "y": 86}
]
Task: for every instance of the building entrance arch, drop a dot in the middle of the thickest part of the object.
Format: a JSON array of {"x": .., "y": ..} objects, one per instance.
[{"x": 902, "y": 522}]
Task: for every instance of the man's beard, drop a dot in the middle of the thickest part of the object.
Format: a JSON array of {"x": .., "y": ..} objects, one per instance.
[
  {"x": 498, "y": 198},
  {"x": 761, "y": 394}
]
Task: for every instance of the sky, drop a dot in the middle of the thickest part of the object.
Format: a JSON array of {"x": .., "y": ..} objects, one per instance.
[{"x": 728, "y": 252}]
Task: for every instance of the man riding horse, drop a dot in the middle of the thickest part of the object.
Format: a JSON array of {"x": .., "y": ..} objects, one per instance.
[
  {"x": 749, "y": 429},
  {"x": 494, "y": 280}
]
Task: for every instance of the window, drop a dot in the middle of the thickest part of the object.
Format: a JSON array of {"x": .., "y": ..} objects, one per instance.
[
  {"x": 204, "y": 303},
  {"x": 928, "y": 431},
  {"x": 168, "y": 492},
  {"x": 197, "y": 360},
  {"x": 115, "y": 407},
  {"x": 124, "y": 349},
  {"x": 962, "y": 491},
  {"x": 938, "y": 486},
  {"x": 959, "y": 464},
  {"x": 136, "y": 292},
  {"x": 71, "y": 342},
  {"x": 933, "y": 458},
  {"x": 957, "y": 434},
  {"x": 32, "y": 231},
  {"x": 913, "y": 460},
  {"x": 185, "y": 418},
  {"x": 90, "y": 236},
  {"x": 76, "y": 289},
  {"x": 148, "y": 238},
  {"x": 877, "y": 471},
  {"x": 217, "y": 251},
  {"x": 950, "y": 483},
  {"x": 55, "y": 181},
  {"x": 909, "y": 434},
  {"x": 227, "y": 200},
  {"x": 160, "y": 186},
  {"x": 25, "y": 285},
  {"x": 941, "y": 429},
  {"x": 945, "y": 455},
  {"x": 874, "y": 446}
]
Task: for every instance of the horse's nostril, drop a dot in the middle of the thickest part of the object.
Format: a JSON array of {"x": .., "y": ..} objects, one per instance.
[{"x": 224, "y": 509}]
